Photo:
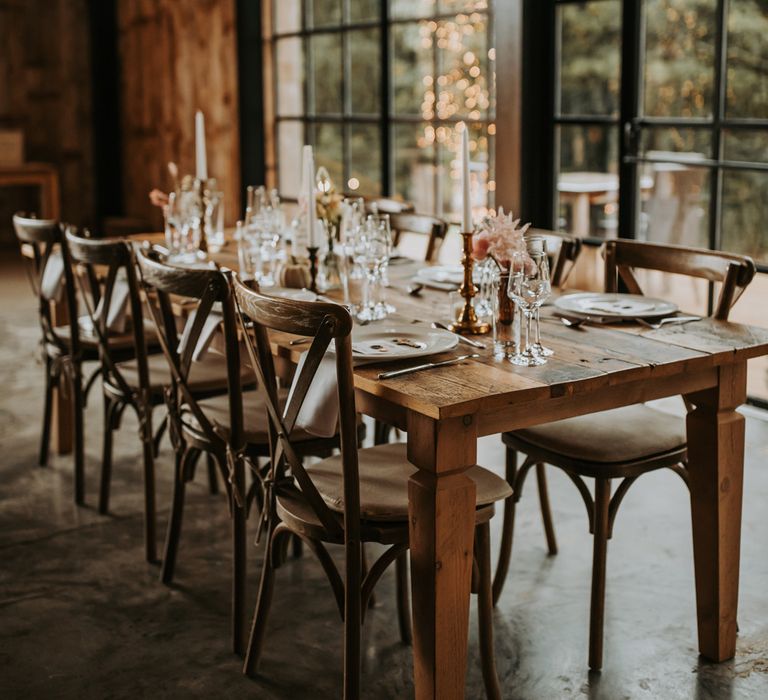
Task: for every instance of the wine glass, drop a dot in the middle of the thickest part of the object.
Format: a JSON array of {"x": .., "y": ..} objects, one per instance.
[
  {"x": 538, "y": 243},
  {"x": 529, "y": 287},
  {"x": 370, "y": 249},
  {"x": 382, "y": 273}
]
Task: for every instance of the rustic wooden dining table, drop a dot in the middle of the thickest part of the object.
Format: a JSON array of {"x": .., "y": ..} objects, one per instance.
[{"x": 444, "y": 411}]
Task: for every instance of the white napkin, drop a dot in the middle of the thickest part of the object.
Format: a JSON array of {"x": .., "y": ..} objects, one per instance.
[
  {"x": 210, "y": 327},
  {"x": 117, "y": 316},
  {"x": 51, "y": 285},
  {"x": 319, "y": 414}
]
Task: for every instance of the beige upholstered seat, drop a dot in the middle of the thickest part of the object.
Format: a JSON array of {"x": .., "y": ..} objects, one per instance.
[
  {"x": 384, "y": 474},
  {"x": 254, "y": 416},
  {"x": 209, "y": 375},
  {"x": 619, "y": 435}
]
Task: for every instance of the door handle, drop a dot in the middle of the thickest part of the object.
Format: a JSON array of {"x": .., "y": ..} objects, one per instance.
[{"x": 631, "y": 138}]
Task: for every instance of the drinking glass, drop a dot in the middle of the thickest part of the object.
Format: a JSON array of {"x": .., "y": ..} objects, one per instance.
[
  {"x": 529, "y": 287},
  {"x": 538, "y": 243},
  {"x": 188, "y": 219},
  {"x": 214, "y": 220},
  {"x": 352, "y": 218},
  {"x": 371, "y": 246},
  {"x": 248, "y": 254}
]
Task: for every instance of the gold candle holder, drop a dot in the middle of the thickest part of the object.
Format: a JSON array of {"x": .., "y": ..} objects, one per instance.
[{"x": 467, "y": 323}]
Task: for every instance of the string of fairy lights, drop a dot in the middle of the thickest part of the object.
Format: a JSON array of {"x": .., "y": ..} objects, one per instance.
[{"x": 461, "y": 88}]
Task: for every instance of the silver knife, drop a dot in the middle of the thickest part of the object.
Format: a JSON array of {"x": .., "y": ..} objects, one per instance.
[
  {"x": 428, "y": 365},
  {"x": 462, "y": 338}
]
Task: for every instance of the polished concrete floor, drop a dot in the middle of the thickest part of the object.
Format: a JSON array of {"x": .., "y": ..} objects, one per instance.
[{"x": 82, "y": 615}]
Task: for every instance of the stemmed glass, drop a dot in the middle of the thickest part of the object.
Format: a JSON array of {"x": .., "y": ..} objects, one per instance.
[
  {"x": 538, "y": 243},
  {"x": 385, "y": 232},
  {"x": 371, "y": 245},
  {"x": 529, "y": 287}
]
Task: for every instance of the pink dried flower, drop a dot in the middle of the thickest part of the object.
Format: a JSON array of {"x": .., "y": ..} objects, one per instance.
[
  {"x": 480, "y": 245},
  {"x": 499, "y": 236}
]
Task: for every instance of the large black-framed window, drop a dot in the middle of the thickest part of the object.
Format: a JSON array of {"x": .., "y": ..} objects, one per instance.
[
  {"x": 668, "y": 99},
  {"x": 378, "y": 88},
  {"x": 648, "y": 119}
]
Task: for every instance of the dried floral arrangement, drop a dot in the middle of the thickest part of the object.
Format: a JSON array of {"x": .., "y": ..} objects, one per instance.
[
  {"x": 328, "y": 200},
  {"x": 499, "y": 237}
]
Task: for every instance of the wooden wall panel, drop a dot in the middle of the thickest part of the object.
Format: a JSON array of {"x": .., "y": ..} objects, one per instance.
[
  {"x": 45, "y": 88},
  {"x": 177, "y": 56}
]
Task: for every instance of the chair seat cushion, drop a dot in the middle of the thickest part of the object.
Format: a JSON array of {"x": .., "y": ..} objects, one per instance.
[
  {"x": 620, "y": 435},
  {"x": 117, "y": 341},
  {"x": 209, "y": 375},
  {"x": 384, "y": 474},
  {"x": 255, "y": 421}
]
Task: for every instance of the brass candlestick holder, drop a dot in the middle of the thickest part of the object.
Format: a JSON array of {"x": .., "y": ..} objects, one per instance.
[
  {"x": 201, "y": 185},
  {"x": 312, "y": 250},
  {"x": 467, "y": 323}
]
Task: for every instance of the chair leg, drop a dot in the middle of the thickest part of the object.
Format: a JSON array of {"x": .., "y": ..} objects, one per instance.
[
  {"x": 78, "y": 437},
  {"x": 261, "y": 613},
  {"x": 507, "y": 528},
  {"x": 106, "y": 456},
  {"x": 403, "y": 601},
  {"x": 45, "y": 437},
  {"x": 239, "y": 560},
  {"x": 546, "y": 511},
  {"x": 353, "y": 616},
  {"x": 597, "y": 607},
  {"x": 381, "y": 433},
  {"x": 213, "y": 481},
  {"x": 183, "y": 458},
  {"x": 364, "y": 572},
  {"x": 150, "y": 515},
  {"x": 485, "y": 611}
]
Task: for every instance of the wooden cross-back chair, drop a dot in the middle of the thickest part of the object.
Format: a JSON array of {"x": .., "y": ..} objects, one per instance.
[
  {"x": 733, "y": 272},
  {"x": 192, "y": 431},
  {"x": 564, "y": 250},
  {"x": 62, "y": 349},
  {"x": 432, "y": 227},
  {"x": 621, "y": 443},
  {"x": 355, "y": 497},
  {"x": 125, "y": 360},
  {"x": 210, "y": 424}
]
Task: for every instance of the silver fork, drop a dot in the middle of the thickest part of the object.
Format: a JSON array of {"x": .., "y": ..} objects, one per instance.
[{"x": 668, "y": 321}]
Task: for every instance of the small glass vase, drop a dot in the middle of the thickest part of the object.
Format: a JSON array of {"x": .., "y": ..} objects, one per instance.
[{"x": 506, "y": 305}]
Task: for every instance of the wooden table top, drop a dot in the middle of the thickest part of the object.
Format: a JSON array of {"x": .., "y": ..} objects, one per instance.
[{"x": 586, "y": 359}]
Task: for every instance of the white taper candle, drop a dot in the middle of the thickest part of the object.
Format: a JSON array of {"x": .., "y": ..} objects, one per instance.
[
  {"x": 201, "y": 160},
  {"x": 466, "y": 211},
  {"x": 309, "y": 193}
]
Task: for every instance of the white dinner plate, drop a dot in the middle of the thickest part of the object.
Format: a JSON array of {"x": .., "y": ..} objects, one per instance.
[
  {"x": 615, "y": 305},
  {"x": 445, "y": 275},
  {"x": 398, "y": 341},
  {"x": 290, "y": 293}
]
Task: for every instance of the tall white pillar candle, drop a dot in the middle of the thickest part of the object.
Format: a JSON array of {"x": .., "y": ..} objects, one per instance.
[
  {"x": 466, "y": 211},
  {"x": 201, "y": 161}
]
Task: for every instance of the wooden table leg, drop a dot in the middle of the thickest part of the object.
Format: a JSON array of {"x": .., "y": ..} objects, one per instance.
[
  {"x": 716, "y": 463},
  {"x": 442, "y": 524}
]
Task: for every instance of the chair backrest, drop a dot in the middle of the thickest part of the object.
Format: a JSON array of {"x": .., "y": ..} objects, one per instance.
[
  {"x": 733, "y": 272},
  {"x": 324, "y": 322},
  {"x": 564, "y": 250},
  {"x": 422, "y": 224},
  {"x": 97, "y": 266},
  {"x": 41, "y": 241},
  {"x": 386, "y": 205},
  {"x": 163, "y": 285}
]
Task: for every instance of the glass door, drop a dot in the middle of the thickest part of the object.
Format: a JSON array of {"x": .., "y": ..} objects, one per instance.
[{"x": 694, "y": 151}]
